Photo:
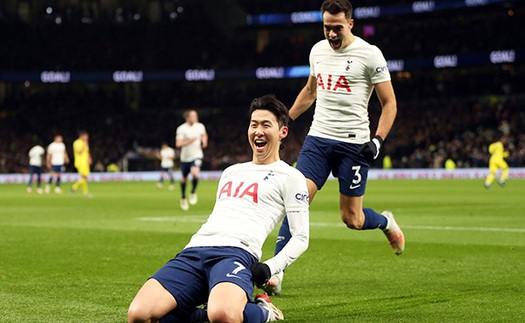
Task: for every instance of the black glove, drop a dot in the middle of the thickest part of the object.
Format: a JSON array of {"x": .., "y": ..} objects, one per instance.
[
  {"x": 260, "y": 273},
  {"x": 370, "y": 150}
]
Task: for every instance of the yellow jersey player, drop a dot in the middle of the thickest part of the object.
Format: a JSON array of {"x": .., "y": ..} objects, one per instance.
[
  {"x": 83, "y": 161},
  {"x": 497, "y": 162}
]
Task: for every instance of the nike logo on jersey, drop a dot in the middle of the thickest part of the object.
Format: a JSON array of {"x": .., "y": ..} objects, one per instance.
[{"x": 353, "y": 187}]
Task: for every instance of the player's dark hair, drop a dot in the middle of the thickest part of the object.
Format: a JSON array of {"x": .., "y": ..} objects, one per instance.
[
  {"x": 336, "y": 6},
  {"x": 271, "y": 103},
  {"x": 187, "y": 113}
]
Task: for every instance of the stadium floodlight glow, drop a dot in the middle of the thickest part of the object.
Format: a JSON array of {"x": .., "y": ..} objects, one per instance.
[
  {"x": 502, "y": 56},
  {"x": 55, "y": 77},
  {"x": 128, "y": 76},
  {"x": 200, "y": 75}
]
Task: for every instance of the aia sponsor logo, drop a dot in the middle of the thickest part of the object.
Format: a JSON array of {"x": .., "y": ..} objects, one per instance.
[
  {"x": 334, "y": 83},
  {"x": 240, "y": 190}
]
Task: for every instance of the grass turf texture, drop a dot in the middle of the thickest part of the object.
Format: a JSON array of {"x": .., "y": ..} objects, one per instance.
[{"x": 73, "y": 259}]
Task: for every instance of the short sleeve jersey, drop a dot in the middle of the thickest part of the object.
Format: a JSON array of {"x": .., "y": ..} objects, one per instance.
[
  {"x": 345, "y": 82},
  {"x": 193, "y": 150},
  {"x": 35, "y": 155},
  {"x": 251, "y": 200},
  {"x": 57, "y": 151},
  {"x": 166, "y": 157},
  {"x": 81, "y": 152},
  {"x": 497, "y": 151}
]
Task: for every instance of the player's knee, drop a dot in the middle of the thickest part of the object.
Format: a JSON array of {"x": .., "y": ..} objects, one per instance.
[
  {"x": 137, "y": 314},
  {"x": 223, "y": 315}
]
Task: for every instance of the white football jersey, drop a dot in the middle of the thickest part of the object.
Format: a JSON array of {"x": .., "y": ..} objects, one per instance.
[
  {"x": 251, "y": 200},
  {"x": 345, "y": 82},
  {"x": 57, "y": 151},
  {"x": 191, "y": 151},
  {"x": 35, "y": 155},
  {"x": 166, "y": 157}
]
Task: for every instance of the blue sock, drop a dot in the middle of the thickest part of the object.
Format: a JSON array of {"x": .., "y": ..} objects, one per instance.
[
  {"x": 183, "y": 189},
  {"x": 283, "y": 237},
  {"x": 194, "y": 183},
  {"x": 374, "y": 220},
  {"x": 253, "y": 313}
]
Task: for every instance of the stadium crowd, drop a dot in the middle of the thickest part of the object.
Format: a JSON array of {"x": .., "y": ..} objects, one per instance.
[{"x": 448, "y": 113}]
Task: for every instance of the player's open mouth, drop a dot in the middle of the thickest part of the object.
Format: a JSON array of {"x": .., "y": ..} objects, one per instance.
[
  {"x": 260, "y": 143},
  {"x": 335, "y": 43}
]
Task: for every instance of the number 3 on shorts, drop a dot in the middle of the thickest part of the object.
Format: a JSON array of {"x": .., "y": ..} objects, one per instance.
[{"x": 357, "y": 176}]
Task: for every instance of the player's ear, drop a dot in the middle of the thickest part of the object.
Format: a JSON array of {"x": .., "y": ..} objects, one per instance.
[{"x": 284, "y": 132}]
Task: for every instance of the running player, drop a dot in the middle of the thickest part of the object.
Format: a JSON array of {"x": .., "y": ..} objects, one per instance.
[
  {"x": 166, "y": 156},
  {"x": 497, "y": 162},
  {"x": 83, "y": 162},
  {"x": 344, "y": 71},
  {"x": 191, "y": 138}
]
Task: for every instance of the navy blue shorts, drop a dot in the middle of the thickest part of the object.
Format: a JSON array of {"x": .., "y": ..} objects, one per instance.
[
  {"x": 57, "y": 168},
  {"x": 35, "y": 169},
  {"x": 185, "y": 168},
  {"x": 168, "y": 170},
  {"x": 320, "y": 156},
  {"x": 191, "y": 275}
]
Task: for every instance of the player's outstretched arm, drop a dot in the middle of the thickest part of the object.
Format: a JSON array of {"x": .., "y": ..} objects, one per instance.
[{"x": 304, "y": 99}]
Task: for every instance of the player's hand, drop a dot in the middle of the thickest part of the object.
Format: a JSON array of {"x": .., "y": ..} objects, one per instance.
[
  {"x": 260, "y": 273},
  {"x": 370, "y": 150}
]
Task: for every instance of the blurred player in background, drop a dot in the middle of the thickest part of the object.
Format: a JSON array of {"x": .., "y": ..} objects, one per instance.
[
  {"x": 36, "y": 157},
  {"x": 166, "y": 156},
  {"x": 344, "y": 71},
  {"x": 56, "y": 158},
  {"x": 222, "y": 260},
  {"x": 497, "y": 162},
  {"x": 83, "y": 161},
  {"x": 191, "y": 138}
]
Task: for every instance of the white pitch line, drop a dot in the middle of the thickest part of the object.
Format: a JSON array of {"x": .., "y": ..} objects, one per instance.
[
  {"x": 202, "y": 219},
  {"x": 429, "y": 227},
  {"x": 186, "y": 218}
]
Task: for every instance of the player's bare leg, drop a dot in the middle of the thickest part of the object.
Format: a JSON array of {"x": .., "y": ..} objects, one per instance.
[{"x": 151, "y": 303}]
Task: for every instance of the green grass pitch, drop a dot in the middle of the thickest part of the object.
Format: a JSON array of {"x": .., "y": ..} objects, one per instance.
[{"x": 73, "y": 259}]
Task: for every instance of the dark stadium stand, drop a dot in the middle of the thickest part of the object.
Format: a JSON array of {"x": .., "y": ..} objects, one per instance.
[{"x": 442, "y": 112}]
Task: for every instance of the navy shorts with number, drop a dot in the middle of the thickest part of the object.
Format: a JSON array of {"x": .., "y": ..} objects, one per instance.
[
  {"x": 320, "y": 156},
  {"x": 191, "y": 275},
  {"x": 186, "y": 167}
]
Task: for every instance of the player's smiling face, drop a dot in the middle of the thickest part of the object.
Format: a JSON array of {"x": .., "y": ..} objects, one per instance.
[
  {"x": 264, "y": 135},
  {"x": 337, "y": 30}
]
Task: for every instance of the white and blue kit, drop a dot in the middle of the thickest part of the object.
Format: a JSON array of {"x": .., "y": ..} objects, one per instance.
[
  {"x": 345, "y": 82},
  {"x": 251, "y": 201}
]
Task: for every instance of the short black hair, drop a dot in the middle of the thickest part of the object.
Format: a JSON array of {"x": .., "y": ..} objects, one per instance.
[
  {"x": 336, "y": 6},
  {"x": 271, "y": 103}
]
